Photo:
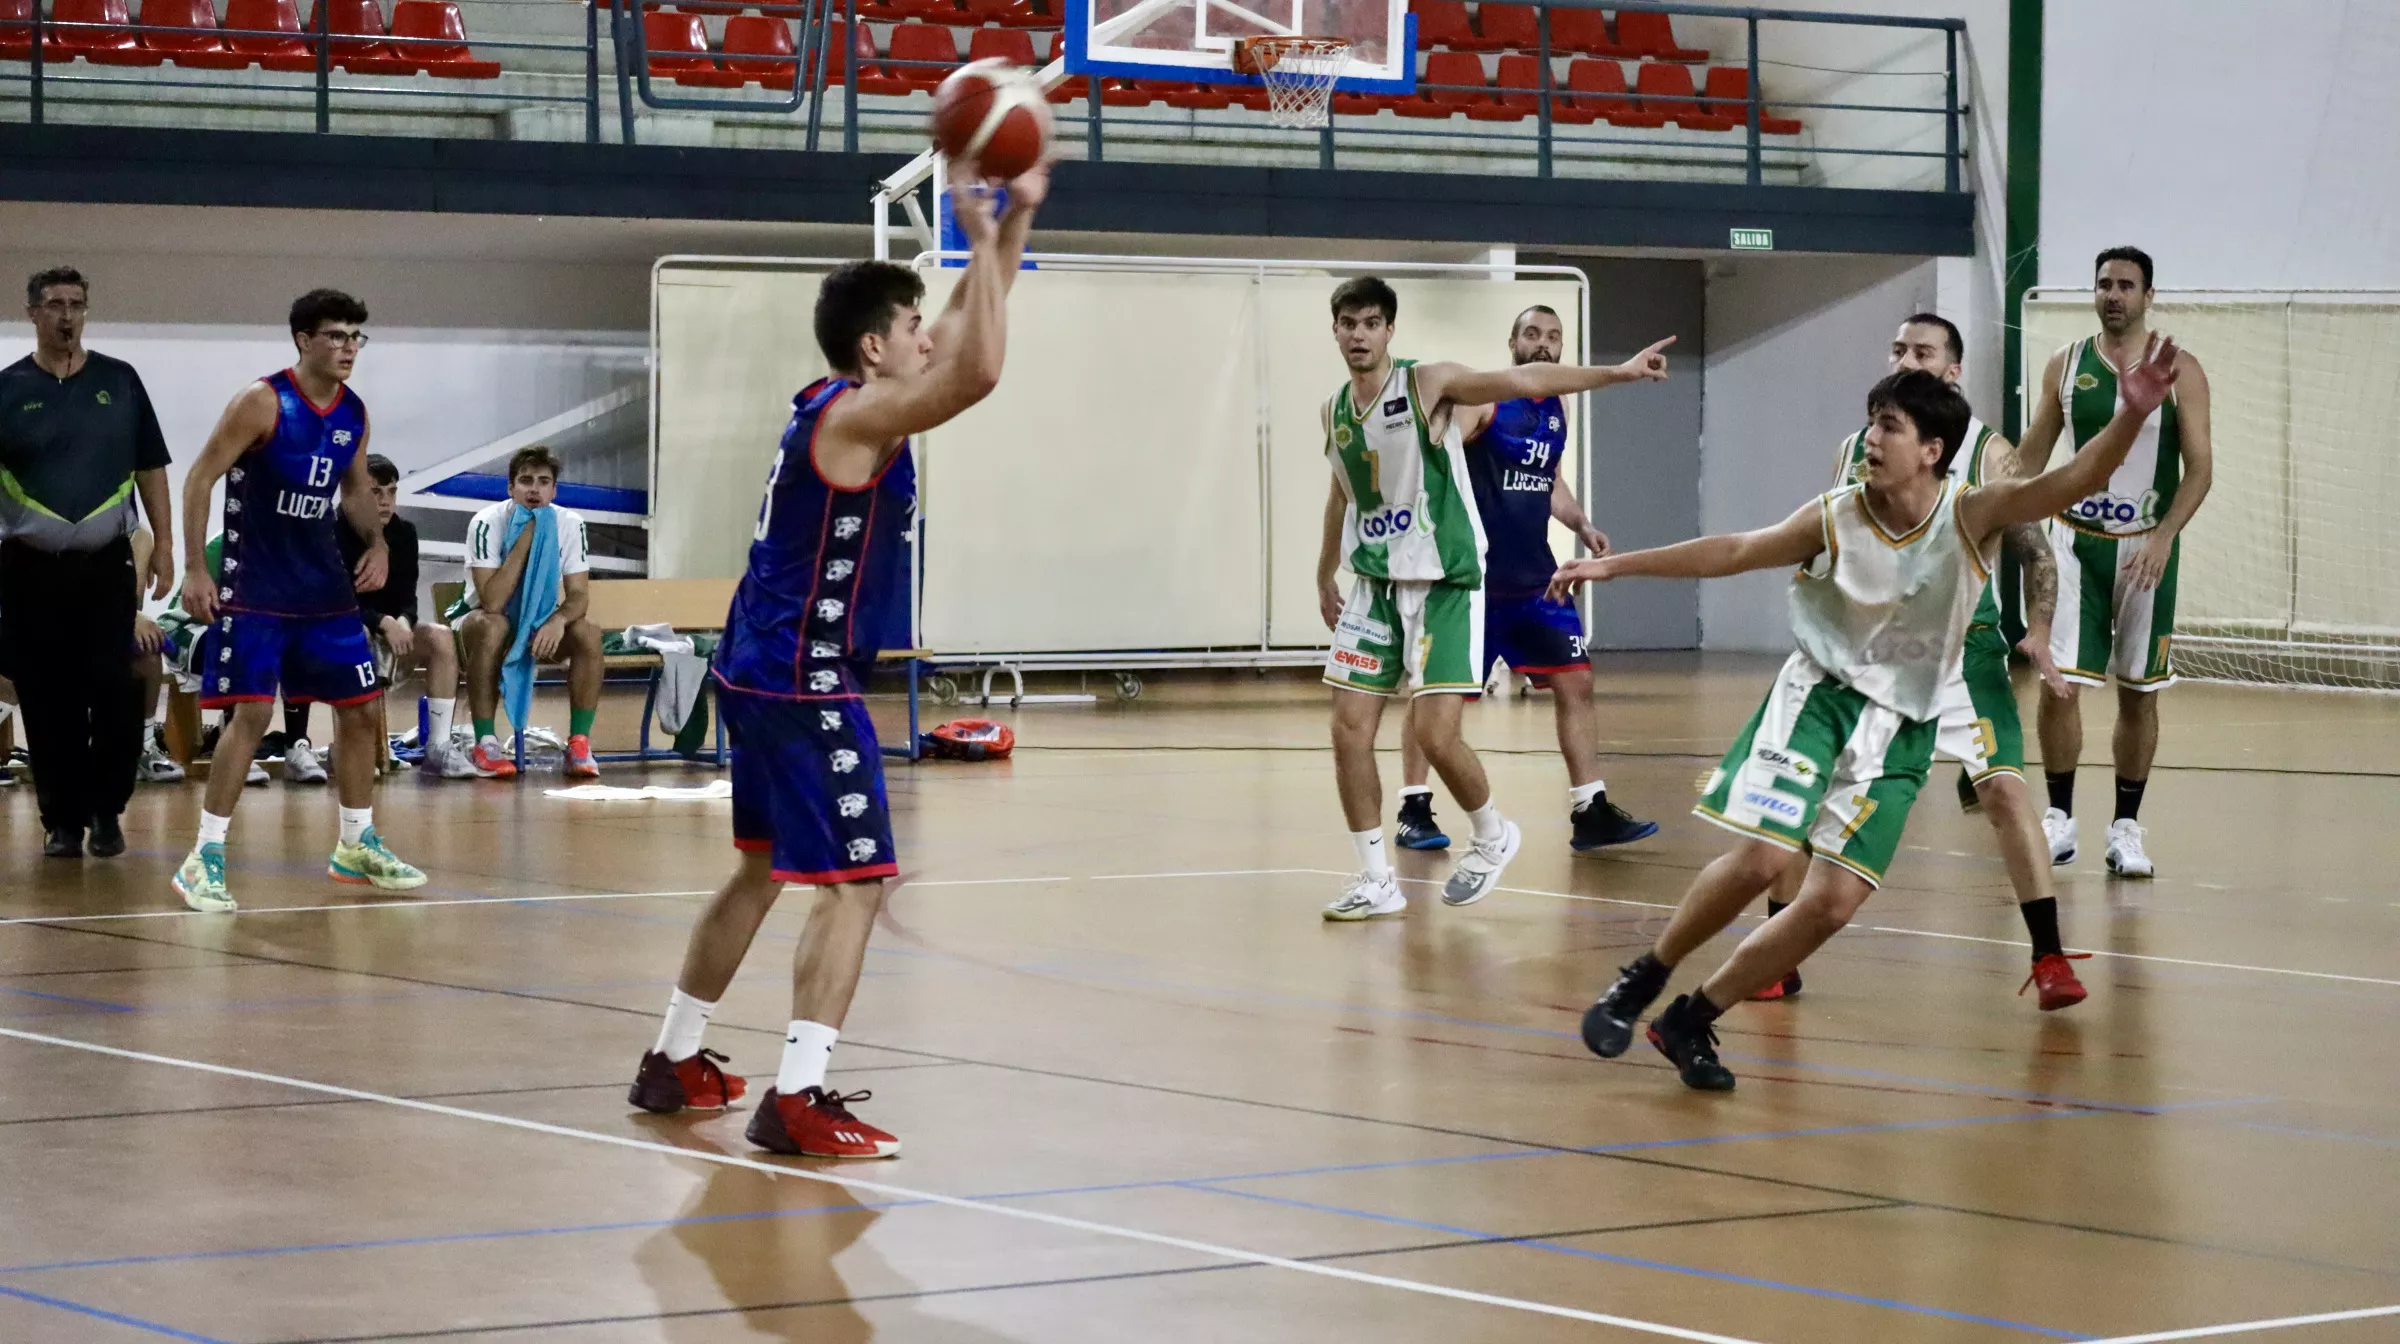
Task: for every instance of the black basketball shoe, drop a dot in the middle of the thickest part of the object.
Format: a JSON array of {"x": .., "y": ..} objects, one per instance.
[
  {"x": 1601, "y": 823},
  {"x": 1691, "y": 1046},
  {"x": 1418, "y": 829},
  {"x": 1608, "y": 1024}
]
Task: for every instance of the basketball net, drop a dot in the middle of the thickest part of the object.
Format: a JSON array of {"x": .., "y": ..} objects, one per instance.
[{"x": 1299, "y": 74}]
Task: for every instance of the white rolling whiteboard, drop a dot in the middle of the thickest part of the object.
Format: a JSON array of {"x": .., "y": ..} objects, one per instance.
[{"x": 1148, "y": 477}]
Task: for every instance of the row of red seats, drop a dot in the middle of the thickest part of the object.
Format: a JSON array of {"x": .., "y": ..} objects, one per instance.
[
  {"x": 1454, "y": 82},
  {"x": 1640, "y": 35},
  {"x": 950, "y": 13},
  {"x": 362, "y": 44}
]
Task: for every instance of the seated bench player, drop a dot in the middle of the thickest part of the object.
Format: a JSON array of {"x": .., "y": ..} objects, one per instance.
[{"x": 528, "y": 589}]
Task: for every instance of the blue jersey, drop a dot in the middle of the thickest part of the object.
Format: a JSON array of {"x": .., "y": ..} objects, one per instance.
[
  {"x": 1514, "y": 463},
  {"x": 283, "y": 549},
  {"x": 828, "y": 573}
]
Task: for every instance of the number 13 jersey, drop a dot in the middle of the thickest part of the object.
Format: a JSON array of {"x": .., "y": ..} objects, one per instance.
[{"x": 282, "y": 555}]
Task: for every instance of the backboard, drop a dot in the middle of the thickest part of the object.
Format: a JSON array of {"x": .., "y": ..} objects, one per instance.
[{"x": 1191, "y": 41}]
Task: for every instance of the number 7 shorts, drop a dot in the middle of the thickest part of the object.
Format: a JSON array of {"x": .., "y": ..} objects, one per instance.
[
  {"x": 1403, "y": 635},
  {"x": 1824, "y": 770},
  {"x": 250, "y": 655}
]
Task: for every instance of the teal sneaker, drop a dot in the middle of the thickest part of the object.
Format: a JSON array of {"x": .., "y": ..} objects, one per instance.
[
  {"x": 201, "y": 880},
  {"x": 368, "y": 862}
]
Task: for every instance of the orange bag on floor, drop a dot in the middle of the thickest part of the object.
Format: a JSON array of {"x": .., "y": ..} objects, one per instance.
[{"x": 969, "y": 740}]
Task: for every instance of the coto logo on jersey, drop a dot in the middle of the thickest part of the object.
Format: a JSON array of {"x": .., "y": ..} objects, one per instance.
[
  {"x": 1391, "y": 521},
  {"x": 2085, "y": 382},
  {"x": 2109, "y": 511}
]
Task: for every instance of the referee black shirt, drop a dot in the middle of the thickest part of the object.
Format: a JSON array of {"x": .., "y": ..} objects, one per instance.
[{"x": 69, "y": 448}]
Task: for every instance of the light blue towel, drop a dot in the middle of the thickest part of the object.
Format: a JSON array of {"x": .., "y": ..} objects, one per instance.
[{"x": 535, "y": 600}]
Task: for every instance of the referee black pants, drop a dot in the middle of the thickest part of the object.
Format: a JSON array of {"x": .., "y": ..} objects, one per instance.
[{"x": 66, "y": 640}]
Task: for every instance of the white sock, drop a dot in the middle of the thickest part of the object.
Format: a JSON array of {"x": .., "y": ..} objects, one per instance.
[
  {"x": 1584, "y": 793},
  {"x": 1371, "y": 860},
  {"x": 806, "y": 1048},
  {"x": 356, "y": 821},
  {"x": 1408, "y": 791},
  {"x": 437, "y": 721},
  {"x": 687, "y": 1018},
  {"x": 1487, "y": 822},
  {"x": 213, "y": 827}
]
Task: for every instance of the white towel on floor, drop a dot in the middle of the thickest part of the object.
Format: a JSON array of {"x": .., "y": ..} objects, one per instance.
[{"x": 611, "y": 793}]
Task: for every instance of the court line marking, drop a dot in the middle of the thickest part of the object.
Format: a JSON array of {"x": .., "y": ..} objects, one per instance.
[
  {"x": 903, "y": 1192},
  {"x": 2248, "y": 1327},
  {"x": 113, "y": 1318},
  {"x": 351, "y": 905},
  {"x": 1914, "y": 933}
]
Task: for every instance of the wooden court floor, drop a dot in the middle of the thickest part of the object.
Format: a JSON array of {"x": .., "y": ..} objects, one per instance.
[{"x": 1147, "y": 1095}]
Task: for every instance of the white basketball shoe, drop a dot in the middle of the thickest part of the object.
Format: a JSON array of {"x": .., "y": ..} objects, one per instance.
[
  {"x": 1366, "y": 897},
  {"x": 1479, "y": 869},
  {"x": 2059, "y": 829},
  {"x": 2125, "y": 856}
]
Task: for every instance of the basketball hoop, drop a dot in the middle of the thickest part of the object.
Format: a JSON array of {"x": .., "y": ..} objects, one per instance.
[{"x": 1299, "y": 74}]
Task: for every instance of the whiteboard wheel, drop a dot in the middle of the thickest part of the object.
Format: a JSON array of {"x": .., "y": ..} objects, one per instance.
[
  {"x": 944, "y": 690},
  {"x": 1129, "y": 686}
]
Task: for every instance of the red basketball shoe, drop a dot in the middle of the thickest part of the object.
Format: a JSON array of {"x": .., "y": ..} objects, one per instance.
[
  {"x": 2056, "y": 980},
  {"x": 666, "y": 1086},
  {"x": 1781, "y": 989},
  {"x": 816, "y": 1123}
]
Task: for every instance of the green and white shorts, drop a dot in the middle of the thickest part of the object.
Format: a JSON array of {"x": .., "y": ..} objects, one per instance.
[
  {"x": 2105, "y": 627},
  {"x": 1979, "y": 728},
  {"x": 1395, "y": 635},
  {"x": 1824, "y": 770}
]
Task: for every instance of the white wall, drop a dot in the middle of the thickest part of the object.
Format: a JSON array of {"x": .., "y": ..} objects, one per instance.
[
  {"x": 2242, "y": 145},
  {"x": 1793, "y": 345}
]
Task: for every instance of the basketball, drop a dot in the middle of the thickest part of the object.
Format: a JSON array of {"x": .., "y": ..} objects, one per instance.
[{"x": 990, "y": 116}]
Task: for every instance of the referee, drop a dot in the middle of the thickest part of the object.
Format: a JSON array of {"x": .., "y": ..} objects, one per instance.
[{"x": 78, "y": 440}]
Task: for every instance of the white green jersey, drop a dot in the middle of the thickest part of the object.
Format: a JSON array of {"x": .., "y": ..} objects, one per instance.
[
  {"x": 1411, "y": 517},
  {"x": 1967, "y": 468},
  {"x": 2139, "y": 492},
  {"x": 1887, "y": 615}
]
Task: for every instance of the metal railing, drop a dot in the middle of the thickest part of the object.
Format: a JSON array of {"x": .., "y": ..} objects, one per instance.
[{"x": 1556, "y": 125}]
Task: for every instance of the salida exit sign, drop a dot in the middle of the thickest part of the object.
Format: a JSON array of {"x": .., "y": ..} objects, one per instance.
[{"x": 1754, "y": 240}]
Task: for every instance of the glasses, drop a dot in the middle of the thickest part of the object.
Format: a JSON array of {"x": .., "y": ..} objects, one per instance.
[
  {"x": 64, "y": 306},
  {"x": 353, "y": 338}
]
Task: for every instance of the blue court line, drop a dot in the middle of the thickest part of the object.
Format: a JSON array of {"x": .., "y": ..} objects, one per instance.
[
  {"x": 101, "y": 1004},
  {"x": 1637, "y": 1262},
  {"x": 2316, "y": 1133},
  {"x": 131, "y": 1322}
]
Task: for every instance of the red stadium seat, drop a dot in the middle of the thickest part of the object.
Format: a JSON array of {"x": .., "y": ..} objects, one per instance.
[
  {"x": 1007, "y": 13},
  {"x": 1448, "y": 68},
  {"x": 1522, "y": 72},
  {"x": 445, "y": 54},
  {"x": 201, "y": 51},
  {"x": 1667, "y": 91},
  {"x": 16, "y": 30},
  {"x": 1012, "y": 45},
  {"x": 678, "y": 46},
  {"x": 1362, "y": 104},
  {"x": 269, "y": 16},
  {"x": 922, "y": 42},
  {"x": 879, "y": 11},
  {"x": 112, "y": 44},
  {"x": 876, "y": 78},
  {"x": 1645, "y": 33},
  {"x": 758, "y": 35},
  {"x": 1599, "y": 88},
  {"x": 1198, "y": 97},
  {"x": 1578, "y": 32},
  {"x": 944, "y": 13},
  {"x": 1510, "y": 27},
  {"x": 358, "y": 34},
  {"x": 837, "y": 65},
  {"x": 1442, "y": 26},
  {"x": 1733, "y": 81}
]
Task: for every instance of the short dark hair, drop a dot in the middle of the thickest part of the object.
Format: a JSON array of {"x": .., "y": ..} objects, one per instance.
[
  {"x": 320, "y": 306},
  {"x": 1932, "y": 404},
  {"x": 56, "y": 275},
  {"x": 1519, "y": 320},
  {"x": 858, "y": 299},
  {"x": 381, "y": 469},
  {"x": 2133, "y": 254},
  {"x": 1957, "y": 343},
  {"x": 539, "y": 455},
  {"x": 1366, "y": 291}
]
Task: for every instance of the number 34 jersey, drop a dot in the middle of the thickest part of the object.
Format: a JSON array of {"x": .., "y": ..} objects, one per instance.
[
  {"x": 827, "y": 584},
  {"x": 282, "y": 553}
]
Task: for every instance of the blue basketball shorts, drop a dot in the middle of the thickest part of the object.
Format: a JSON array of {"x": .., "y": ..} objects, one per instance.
[
  {"x": 1532, "y": 633},
  {"x": 249, "y": 655},
  {"x": 808, "y": 786}
]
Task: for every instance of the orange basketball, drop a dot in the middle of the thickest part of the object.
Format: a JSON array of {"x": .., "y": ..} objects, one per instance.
[{"x": 990, "y": 116}]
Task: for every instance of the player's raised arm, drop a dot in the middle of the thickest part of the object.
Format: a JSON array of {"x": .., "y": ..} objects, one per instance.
[
  {"x": 248, "y": 418},
  {"x": 1794, "y": 541},
  {"x": 1461, "y": 386},
  {"x": 1986, "y": 509}
]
